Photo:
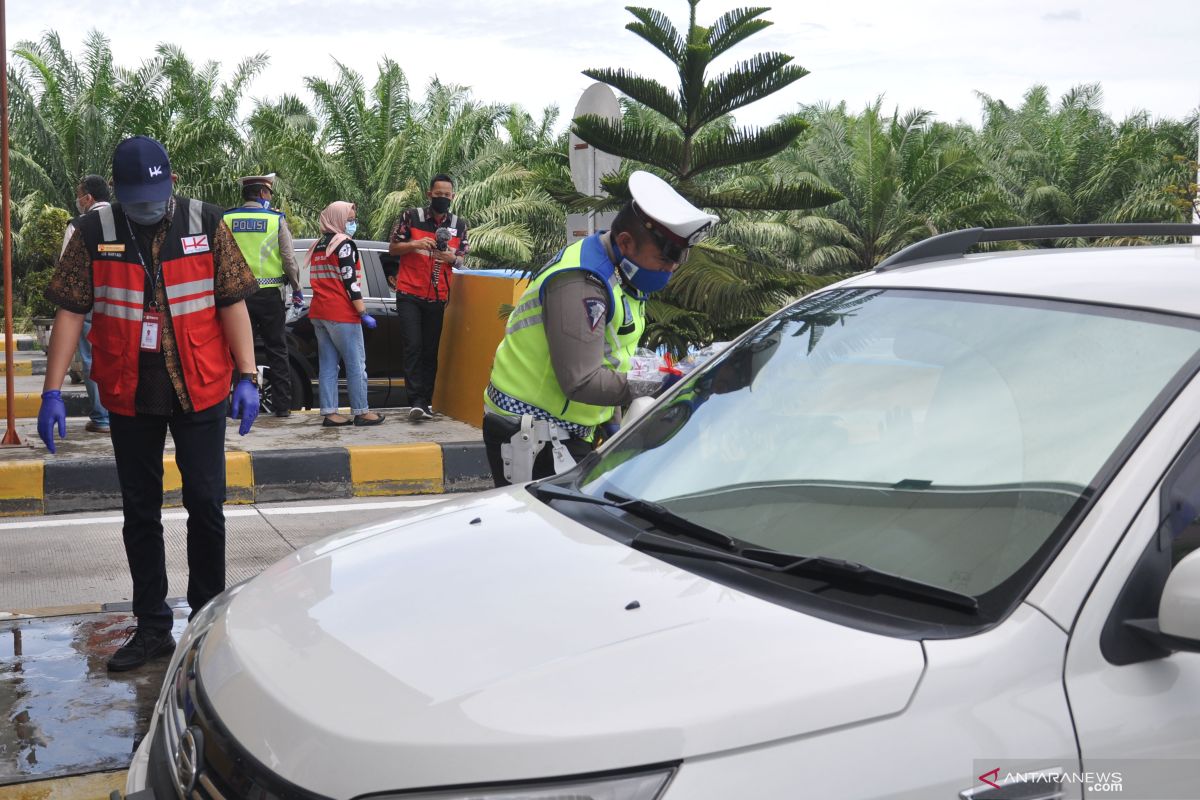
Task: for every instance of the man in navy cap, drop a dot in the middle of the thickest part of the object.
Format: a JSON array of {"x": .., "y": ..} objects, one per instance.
[
  {"x": 563, "y": 366},
  {"x": 166, "y": 286}
]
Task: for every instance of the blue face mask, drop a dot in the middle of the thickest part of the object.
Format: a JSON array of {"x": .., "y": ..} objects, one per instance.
[
  {"x": 644, "y": 280},
  {"x": 351, "y": 227},
  {"x": 265, "y": 203}
]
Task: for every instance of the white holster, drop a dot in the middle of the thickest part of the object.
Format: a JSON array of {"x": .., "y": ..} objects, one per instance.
[{"x": 522, "y": 449}]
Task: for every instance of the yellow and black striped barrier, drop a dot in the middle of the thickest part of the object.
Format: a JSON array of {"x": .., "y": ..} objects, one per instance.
[{"x": 32, "y": 487}]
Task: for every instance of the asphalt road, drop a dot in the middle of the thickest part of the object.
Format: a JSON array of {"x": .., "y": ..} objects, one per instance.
[{"x": 79, "y": 559}]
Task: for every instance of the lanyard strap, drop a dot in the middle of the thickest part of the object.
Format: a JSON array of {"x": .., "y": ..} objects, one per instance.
[{"x": 137, "y": 246}]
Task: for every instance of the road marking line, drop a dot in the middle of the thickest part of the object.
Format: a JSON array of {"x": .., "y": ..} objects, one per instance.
[{"x": 229, "y": 513}]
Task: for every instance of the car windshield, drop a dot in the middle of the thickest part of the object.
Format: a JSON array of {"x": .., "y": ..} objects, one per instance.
[{"x": 937, "y": 436}]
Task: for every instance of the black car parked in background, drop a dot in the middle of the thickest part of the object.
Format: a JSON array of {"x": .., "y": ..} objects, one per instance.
[{"x": 385, "y": 364}]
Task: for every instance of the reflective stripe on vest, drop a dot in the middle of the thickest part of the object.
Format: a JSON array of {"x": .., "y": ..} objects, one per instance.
[
  {"x": 188, "y": 273},
  {"x": 522, "y": 367},
  {"x": 256, "y": 232}
]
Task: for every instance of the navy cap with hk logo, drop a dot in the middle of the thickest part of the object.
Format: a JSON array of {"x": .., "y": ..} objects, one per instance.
[{"x": 141, "y": 171}]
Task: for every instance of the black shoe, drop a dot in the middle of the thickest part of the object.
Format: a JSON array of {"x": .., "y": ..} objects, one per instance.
[
  {"x": 362, "y": 420},
  {"x": 419, "y": 413},
  {"x": 283, "y": 412},
  {"x": 139, "y": 648},
  {"x": 329, "y": 423}
]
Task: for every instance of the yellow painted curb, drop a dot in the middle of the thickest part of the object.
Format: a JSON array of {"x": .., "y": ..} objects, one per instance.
[
  {"x": 396, "y": 469},
  {"x": 22, "y": 490},
  {"x": 19, "y": 367},
  {"x": 96, "y": 786},
  {"x": 239, "y": 479},
  {"x": 25, "y": 404}
]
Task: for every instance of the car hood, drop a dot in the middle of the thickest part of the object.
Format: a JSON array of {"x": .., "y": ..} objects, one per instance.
[{"x": 493, "y": 639}]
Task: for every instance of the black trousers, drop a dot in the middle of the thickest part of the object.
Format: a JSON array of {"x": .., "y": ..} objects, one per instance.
[
  {"x": 200, "y": 455},
  {"x": 267, "y": 318},
  {"x": 421, "y": 328},
  {"x": 497, "y": 431}
]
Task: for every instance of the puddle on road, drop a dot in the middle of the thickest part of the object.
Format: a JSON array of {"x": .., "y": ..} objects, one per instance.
[{"x": 61, "y": 712}]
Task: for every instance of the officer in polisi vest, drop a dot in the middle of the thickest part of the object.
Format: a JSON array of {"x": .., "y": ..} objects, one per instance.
[
  {"x": 165, "y": 284},
  {"x": 265, "y": 241},
  {"x": 563, "y": 365}
]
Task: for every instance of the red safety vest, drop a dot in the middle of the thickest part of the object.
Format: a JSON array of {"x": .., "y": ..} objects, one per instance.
[
  {"x": 188, "y": 276},
  {"x": 416, "y": 269},
  {"x": 330, "y": 301}
]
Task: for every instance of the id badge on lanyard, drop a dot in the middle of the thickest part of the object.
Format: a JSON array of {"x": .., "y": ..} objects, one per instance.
[
  {"x": 152, "y": 317},
  {"x": 151, "y": 331}
]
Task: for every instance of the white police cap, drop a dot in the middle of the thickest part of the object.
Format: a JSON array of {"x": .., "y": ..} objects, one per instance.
[
  {"x": 258, "y": 180},
  {"x": 671, "y": 214}
]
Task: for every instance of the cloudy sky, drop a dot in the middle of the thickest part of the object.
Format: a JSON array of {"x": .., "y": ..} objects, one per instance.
[{"x": 933, "y": 54}]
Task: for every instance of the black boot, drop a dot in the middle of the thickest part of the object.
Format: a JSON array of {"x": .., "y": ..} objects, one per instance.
[{"x": 139, "y": 648}]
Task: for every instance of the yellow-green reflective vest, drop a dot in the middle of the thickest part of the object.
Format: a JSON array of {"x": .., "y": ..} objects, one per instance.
[
  {"x": 256, "y": 231},
  {"x": 522, "y": 368}
]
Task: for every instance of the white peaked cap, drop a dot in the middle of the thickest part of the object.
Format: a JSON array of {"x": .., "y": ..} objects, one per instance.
[
  {"x": 255, "y": 180},
  {"x": 655, "y": 198}
]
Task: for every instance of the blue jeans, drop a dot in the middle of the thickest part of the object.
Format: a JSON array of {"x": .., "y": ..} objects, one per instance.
[
  {"x": 341, "y": 340},
  {"x": 98, "y": 414}
]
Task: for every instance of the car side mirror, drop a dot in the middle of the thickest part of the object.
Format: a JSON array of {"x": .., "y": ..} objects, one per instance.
[
  {"x": 1179, "y": 610},
  {"x": 1178, "y": 623},
  {"x": 637, "y": 408}
]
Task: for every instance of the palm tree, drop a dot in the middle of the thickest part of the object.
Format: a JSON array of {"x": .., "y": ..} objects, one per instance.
[
  {"x": 903, "y": 178},
  {"x": 69, "y": 115},
  {"x": 1073, "y": 164},
  {"x": 197, "y": 121},
  {"x": 381, "y": 148},
  {"x": 689, "y": 136}
]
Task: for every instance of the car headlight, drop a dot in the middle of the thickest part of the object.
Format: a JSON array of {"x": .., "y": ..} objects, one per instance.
[{"x": 641, "y": 786}]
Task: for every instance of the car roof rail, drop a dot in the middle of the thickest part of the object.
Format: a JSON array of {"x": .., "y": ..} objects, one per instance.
[{"x": 957, "y": 243}]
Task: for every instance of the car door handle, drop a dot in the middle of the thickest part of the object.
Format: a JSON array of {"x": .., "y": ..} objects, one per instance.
[{"x": 1042, "y": 784}]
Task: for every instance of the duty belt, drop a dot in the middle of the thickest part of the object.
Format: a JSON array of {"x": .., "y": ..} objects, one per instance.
[
  {"x": 263, "y": 282},
  {"x": 520, "y": 407}
]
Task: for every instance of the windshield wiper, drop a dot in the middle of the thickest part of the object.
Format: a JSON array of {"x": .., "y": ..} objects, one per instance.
[
  {"x": 650, "y": 511},
  {"x": 817, "y": 566}
]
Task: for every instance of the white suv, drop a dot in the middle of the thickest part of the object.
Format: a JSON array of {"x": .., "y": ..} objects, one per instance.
[{"x": 929, "y": 533}]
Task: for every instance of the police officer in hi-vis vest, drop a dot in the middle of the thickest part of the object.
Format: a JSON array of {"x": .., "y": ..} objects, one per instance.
[
  {"x": 264, "y": 239},
  {"x": 562, "y": 367},
  {"x": 166, "y": 286}
]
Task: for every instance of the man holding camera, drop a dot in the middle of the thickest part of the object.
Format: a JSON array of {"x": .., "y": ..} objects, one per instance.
[{"x": 429, "y": 242}]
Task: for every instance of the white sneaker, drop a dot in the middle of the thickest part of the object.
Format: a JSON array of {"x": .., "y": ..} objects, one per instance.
[{"x": 418, "y": 414}]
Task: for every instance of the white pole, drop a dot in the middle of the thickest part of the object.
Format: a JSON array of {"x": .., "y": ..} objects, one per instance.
[{"x": 1196, "y": 199}]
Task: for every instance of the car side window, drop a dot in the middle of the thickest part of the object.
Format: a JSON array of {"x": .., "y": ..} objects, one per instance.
[
  {"x": 1181, "y": 503},
  {"x": 372, "y": 273}
]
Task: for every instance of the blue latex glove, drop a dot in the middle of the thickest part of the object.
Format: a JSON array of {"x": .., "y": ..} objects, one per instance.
[
  {"x": 298, "y": 299},
  {"x": 609, "y": 429},
  {"x": 245, "y": 405},
  {"x": 53, "y": 412},
  {"x": 369, "y": 321}
]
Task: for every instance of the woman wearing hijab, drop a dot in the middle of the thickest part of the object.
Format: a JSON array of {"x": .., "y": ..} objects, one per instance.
[{"x": 338, "y": 315}]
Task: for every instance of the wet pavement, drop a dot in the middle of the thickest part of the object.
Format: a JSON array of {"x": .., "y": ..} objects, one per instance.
[{"x": 61, "y": 712}]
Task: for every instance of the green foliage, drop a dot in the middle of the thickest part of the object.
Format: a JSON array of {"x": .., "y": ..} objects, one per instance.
[{"x": 902, "y": 178}]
